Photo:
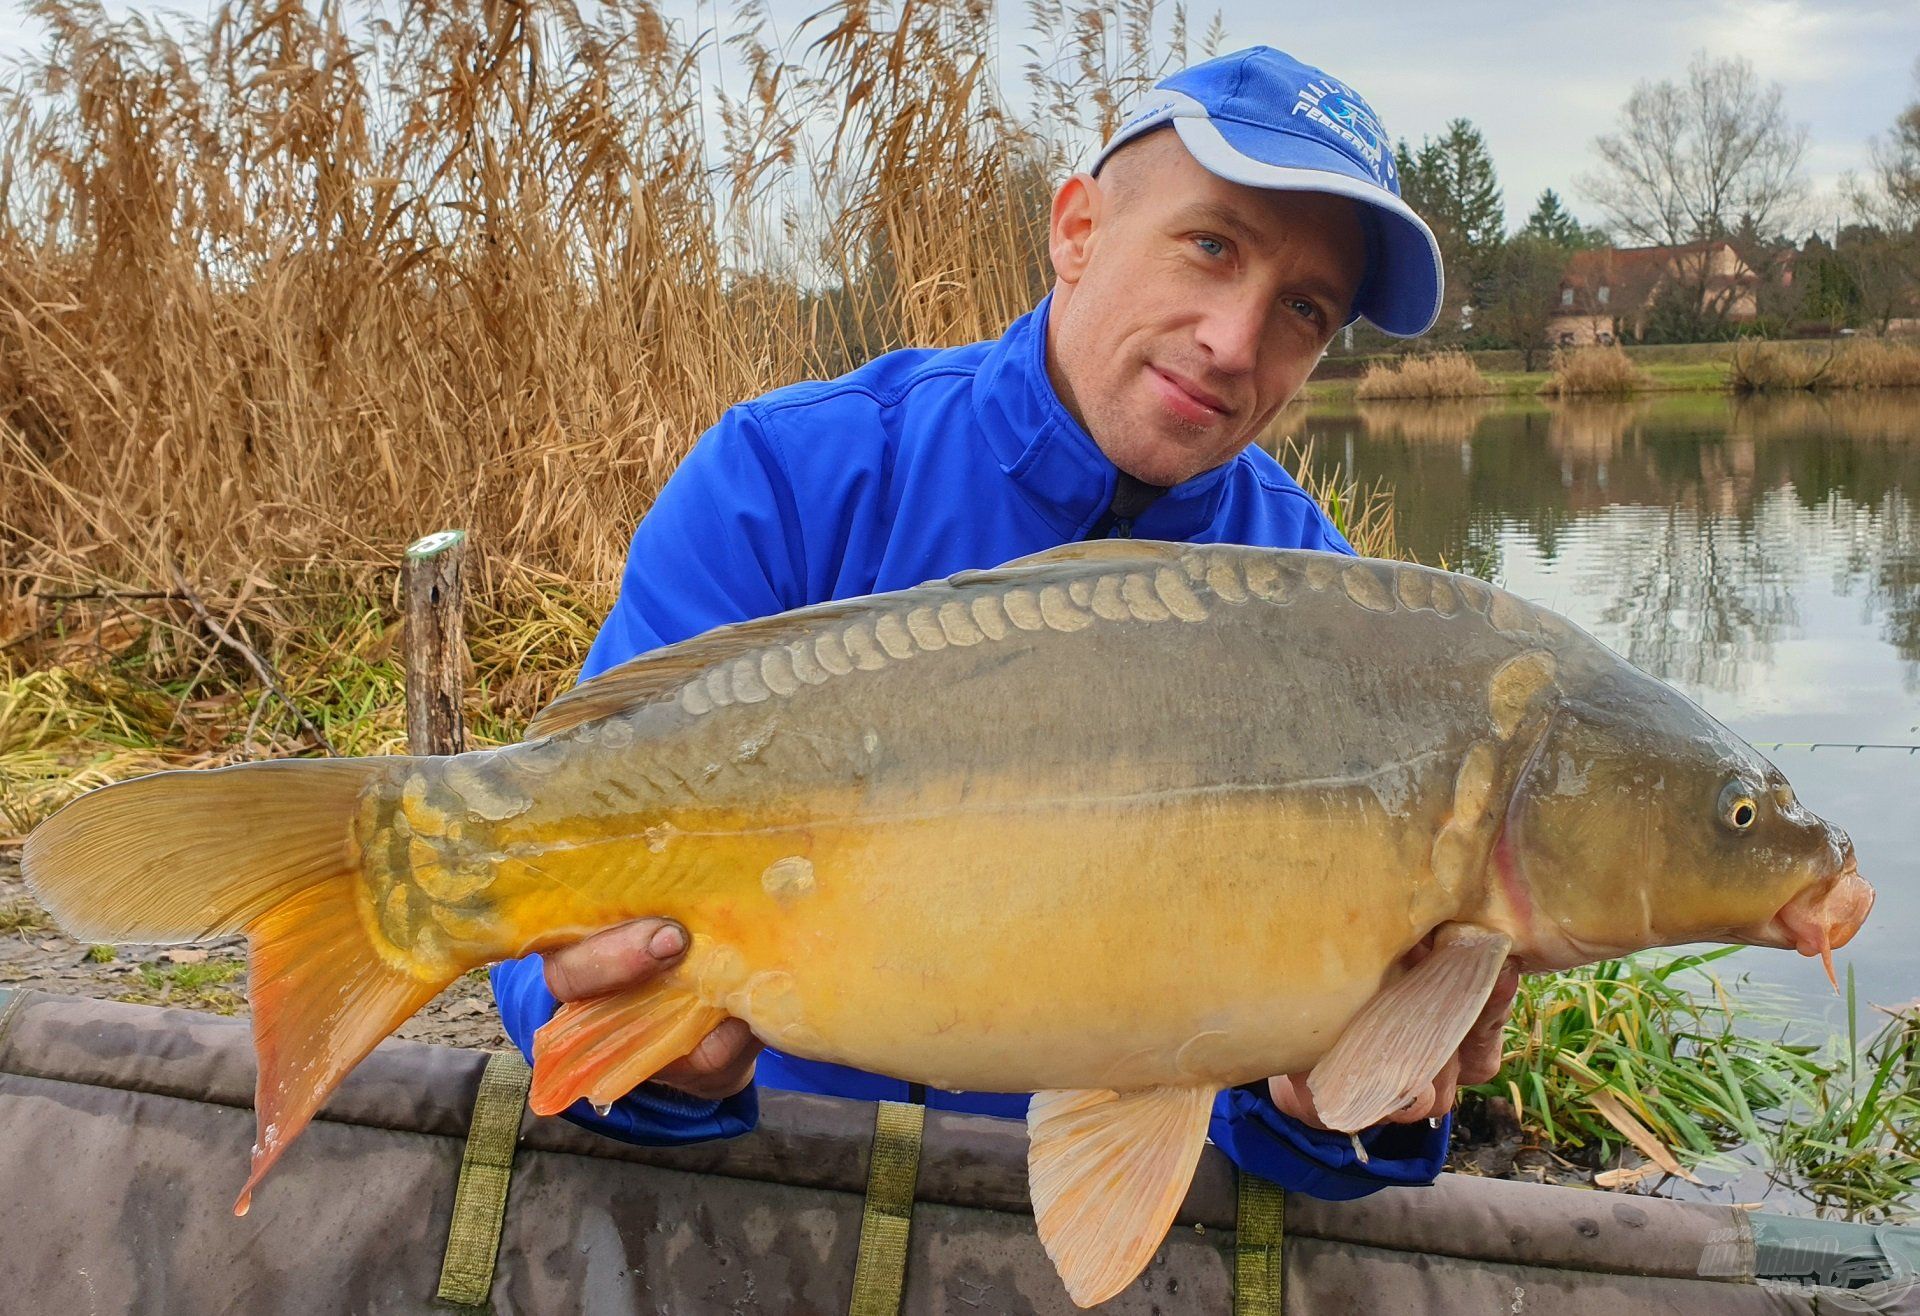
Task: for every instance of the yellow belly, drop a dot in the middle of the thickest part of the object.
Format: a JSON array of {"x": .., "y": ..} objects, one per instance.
[{"x": 1213, "y": 937}]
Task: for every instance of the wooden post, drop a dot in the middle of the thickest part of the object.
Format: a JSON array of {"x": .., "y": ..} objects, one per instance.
[{"x": 436, "y": 643}]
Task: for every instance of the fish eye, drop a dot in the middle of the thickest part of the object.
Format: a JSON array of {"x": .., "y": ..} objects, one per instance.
[{"x": 1738, "y": 811}]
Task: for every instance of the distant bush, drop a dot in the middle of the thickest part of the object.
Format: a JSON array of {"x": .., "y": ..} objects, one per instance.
[
  {"x": 1593, "y": 370},
  {"x": 1861, "y": 363},
  {"x": 1876, "y": 363},
  {"x": 1775, "y": 368},
  {"x": 1440, "y": 375}
]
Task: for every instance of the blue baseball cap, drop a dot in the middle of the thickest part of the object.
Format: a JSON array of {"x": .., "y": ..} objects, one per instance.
[{"x": 1261, "y": 118}]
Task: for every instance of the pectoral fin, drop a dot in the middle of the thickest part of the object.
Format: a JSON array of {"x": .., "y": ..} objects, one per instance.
[
  {"x": 1107, "y": 1171},
  {"x": 604, "y": 1048},
  {"x": 1402, "y": 1037}
]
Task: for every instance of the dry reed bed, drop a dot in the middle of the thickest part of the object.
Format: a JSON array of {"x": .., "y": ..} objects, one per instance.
[
  {"x": 1430, "y": 375},
  {"x": 1860, "y": 363},
  {"x": 279, "y": 288},
  {"x": 1593, "y": 372}
]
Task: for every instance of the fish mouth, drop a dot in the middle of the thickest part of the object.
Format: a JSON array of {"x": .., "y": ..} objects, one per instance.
[{"x": 1822, "y": 918}]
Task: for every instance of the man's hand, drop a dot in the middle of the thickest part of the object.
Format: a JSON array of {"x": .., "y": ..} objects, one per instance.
[
  {"x": 633, "y": 955},
  {"x": 1477, "y": 1060}
]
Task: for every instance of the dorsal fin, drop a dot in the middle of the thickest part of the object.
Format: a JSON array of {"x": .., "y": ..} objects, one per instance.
[
  {"x": 653, "y": 675},
  {"x": 1107, "y": 550}
]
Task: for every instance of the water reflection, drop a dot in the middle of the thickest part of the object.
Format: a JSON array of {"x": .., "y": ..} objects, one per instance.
[
  {"x": 1686, "y": 599},
  {"x": 1455, "y": 420},
  {"x": 1701, "y": 519},
  {"x": 1890, "y": 564}
]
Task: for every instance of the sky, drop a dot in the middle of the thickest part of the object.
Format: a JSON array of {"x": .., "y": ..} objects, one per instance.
[{"x": 1540, "y": 80}]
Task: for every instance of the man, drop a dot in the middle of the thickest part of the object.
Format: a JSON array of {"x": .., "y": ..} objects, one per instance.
[{"x": 1245, "y": 213}]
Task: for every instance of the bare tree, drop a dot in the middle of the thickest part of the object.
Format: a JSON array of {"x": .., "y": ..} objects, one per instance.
[
  {"x": 1893, "y": 202},
  {"x": 1691, "y": 161},
  {"x": 1880, "y": 248}
]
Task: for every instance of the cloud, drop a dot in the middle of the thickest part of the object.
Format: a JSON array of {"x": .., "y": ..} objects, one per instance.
[{"x": 1542, "y": 81}]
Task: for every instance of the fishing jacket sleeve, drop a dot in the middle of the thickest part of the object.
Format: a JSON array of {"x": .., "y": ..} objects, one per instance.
[{"x": 1251, "y": 1130}]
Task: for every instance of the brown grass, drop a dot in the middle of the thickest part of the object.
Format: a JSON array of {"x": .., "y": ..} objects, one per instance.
[
  {"x": 1860, "y": 363},
  {"x": 1592, "y": 371},
  {"x": 1876, "y": 363},
  {"x": 1775, "y": 368},
  {"x": 1435, "y": 375},
  {"x": 1363, "y": 514},
  {"x": 23, "y": 916}
]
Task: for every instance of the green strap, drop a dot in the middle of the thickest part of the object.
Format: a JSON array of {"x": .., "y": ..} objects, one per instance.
[
  {"x": 486, "y": 1172},
  {"x": 1259, "y": 1271},
  {"x": 892, "y": 1172}
]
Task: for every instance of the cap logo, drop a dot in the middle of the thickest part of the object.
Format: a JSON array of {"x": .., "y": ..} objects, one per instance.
[
  {"x": 1330, "y": 105},
  {"x": 1159, "y": 103}
]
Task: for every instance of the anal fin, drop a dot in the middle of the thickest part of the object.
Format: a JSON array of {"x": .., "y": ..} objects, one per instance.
[
  {"x": 1107, "y": 1171},
  {"x": 604, "y": 1048},
  {"x": 1401, "y": 1038}
]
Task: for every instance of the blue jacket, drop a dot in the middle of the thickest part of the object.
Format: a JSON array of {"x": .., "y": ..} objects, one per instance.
[{"x": 915, "y": 466}]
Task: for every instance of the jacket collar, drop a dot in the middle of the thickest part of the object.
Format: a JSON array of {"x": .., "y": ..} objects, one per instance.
[{"x": 1056, "y": 464}]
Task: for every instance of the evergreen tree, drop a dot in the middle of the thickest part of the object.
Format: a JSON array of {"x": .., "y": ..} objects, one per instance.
[
  {"x": 1450, "y": 182},
  {"x": 1552, "y": 221},
  {"x": 1829, "y": 290},
  {"x": 1469, "y": 188}
]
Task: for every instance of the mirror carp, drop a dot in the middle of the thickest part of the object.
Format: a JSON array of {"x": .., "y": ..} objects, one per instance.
[{"x": 1121, "y": 825}]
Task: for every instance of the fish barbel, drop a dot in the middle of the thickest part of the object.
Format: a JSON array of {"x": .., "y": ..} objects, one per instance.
[{"x": 1120, "y": 825}]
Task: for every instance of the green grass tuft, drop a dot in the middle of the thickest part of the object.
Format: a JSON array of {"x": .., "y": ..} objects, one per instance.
[
  {"x": 1665, "y": 1039},
  {"x": 1852, "y": 1146},
  {"x": 200, "y": 986},
  {"x": 1705, "y": 1071}
]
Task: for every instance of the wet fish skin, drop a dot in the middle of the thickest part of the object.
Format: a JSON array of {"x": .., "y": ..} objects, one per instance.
[{"x": 1131, "y": 817}]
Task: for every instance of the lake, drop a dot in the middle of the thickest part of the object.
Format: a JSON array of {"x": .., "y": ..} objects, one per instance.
[{"x": 1763, "y": 555}]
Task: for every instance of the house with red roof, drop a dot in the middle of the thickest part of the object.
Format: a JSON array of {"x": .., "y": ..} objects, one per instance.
[{"x": 1607, "y": 294}]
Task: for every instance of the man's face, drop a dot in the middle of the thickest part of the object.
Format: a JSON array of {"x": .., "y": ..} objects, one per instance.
[{"x": 1188, "y": 309}]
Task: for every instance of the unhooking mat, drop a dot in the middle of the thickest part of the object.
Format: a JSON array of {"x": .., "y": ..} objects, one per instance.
[{"x": 124, "y": 1133}]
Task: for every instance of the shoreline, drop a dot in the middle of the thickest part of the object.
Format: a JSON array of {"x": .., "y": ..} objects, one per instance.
[
  {"x": 1709, "y": 368},
  {"x": 1711, "y": 378}
]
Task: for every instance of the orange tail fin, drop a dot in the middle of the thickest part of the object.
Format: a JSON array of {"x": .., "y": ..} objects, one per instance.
[{"x": 263, "y": 848}]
